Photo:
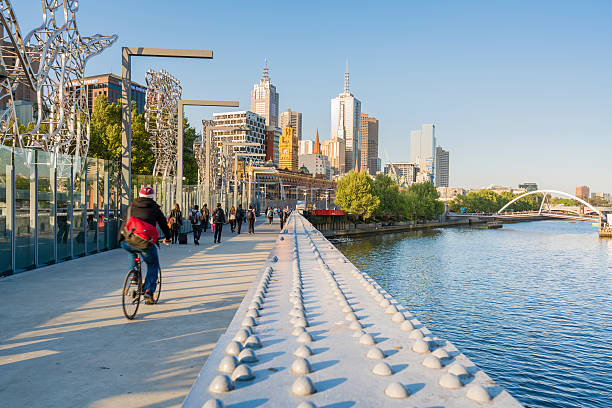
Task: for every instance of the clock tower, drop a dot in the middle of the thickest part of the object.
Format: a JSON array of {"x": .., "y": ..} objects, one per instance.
[{"x": 288, "y": 150}]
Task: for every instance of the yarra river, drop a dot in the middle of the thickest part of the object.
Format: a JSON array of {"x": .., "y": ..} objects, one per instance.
[{"x": 531, "y": 303}]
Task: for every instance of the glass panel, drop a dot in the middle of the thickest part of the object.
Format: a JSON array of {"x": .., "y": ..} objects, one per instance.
[
  {"x": 113, "y": 203},
  {"x": 92, "y": 205},
  {"x": 64, "y": 205},
  {"x": 45, "y": 219},
  {"x": 6, "y": 163},
  {"x": 102, "y": 204},
  {"x": 78, "y": 207},
  {"x": 24, "y": 208}
]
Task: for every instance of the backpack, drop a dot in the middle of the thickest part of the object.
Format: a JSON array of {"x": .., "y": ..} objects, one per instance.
[
  {"x": 194, "y": 217},
  {"x": 138, "y": 233},
  {"x": 249, "y": 215},
  {"x": 270, "y": 213},
  {"x": 218, "y": 216}
]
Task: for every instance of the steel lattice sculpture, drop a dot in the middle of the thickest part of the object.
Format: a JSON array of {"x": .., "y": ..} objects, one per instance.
[
  {"x": 50, "y": 60},
  {"x": 203, "y": 154},
  {"x": 161, "y": 119}
]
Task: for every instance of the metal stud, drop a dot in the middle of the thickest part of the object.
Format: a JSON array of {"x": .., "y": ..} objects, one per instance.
[
  {"x": 303, "y": 386},
  {"x": 221, "y": 384}
]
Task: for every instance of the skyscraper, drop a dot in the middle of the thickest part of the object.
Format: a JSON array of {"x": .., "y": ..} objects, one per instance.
[
  {"x": 423, "y": 149},
  {"x": 369, "y": 144},
  {"x": 264, "y": 98},
  {"x": 441, "y": 167},
  {"x": 293, "y": 119},
  {"x": 346, "y": 125}
]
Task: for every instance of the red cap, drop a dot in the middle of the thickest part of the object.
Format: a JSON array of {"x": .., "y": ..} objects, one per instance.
[{"x": 146, "y": 192}]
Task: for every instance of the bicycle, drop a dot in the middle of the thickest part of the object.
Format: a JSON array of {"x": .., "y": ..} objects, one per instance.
[{"x": 133, "y": 289}]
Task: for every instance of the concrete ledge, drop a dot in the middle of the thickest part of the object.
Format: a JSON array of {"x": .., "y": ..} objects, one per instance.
[{"x": 315, "y": 331}]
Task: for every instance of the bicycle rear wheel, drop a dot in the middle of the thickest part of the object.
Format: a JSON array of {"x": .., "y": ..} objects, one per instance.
[
  {"x": 130, "y": 297},
  {"x": 158, "y": 289}
]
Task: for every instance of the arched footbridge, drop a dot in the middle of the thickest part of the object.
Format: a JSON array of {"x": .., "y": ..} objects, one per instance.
[{"x": 586, "y": 213}]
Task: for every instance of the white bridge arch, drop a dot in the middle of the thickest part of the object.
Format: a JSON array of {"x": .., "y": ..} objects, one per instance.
[{"x": 546, "y": 193}]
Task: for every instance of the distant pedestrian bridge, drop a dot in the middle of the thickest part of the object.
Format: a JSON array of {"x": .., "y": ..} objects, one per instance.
[{"x": 586, "y": 212}]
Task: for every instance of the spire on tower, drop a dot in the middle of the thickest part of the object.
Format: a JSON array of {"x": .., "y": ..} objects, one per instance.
[
  {"x": 317, "y": 144},
  {"x": 265, "y": 77},
  {"x": 346, "y": 78}
]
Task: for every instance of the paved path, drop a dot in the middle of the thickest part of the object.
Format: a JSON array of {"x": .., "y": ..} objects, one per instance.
[{"x": 65, "y": 343}]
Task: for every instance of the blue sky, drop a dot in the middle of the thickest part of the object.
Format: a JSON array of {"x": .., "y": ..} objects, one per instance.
[{"x": 518, "y": 90}]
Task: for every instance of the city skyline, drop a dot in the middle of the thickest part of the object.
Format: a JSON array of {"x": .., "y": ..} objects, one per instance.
[{"x": 512, "y": 102}]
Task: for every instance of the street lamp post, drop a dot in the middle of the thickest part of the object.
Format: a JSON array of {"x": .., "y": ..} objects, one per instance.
[{"x": 126, "y": 109}]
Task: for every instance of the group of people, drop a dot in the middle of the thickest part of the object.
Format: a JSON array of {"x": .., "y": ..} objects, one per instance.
[
  {"x": 201, "y": 217},
  {"x": 281, "y": 213}
]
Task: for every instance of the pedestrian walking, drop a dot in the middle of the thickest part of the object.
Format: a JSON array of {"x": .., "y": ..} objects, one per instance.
[
  {"x": 239, "y": 218},
  {"x": 232, "y": 219},
  {"x": 250, "y": 216},
  {"x": 282, "y": 219},
  {"x": 270, "y": 214},
  {"x": 205, "y": 217},
  {"x": 175, "y": 222},
  {"x": 218, "y": 217},
  {"x": 196, "y": 217}
]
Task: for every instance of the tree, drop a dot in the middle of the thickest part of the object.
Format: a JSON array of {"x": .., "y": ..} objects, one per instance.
[
  {"x": 387, "y": 191},
  {"x": 190, "y": 166},
  {"x": 355, "y": 194},
  {"x": 421, "y": 202}
]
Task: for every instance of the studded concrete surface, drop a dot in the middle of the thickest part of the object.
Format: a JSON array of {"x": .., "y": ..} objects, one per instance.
[{"x": 313, "y": 331}]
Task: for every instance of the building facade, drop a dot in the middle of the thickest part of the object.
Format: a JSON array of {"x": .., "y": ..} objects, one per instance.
[
  {"x": 293, "y": 119},
  {"x": 583, "y": 192},
  {"x": 109, "y": 85},
  {"x": 256, "y": 133},
  {"x": 306, "y": 147},
  {"x": 404, "y": 173},
  {"x": 369, "y": 144},
  {"x": 273, "y": 134},
  {"x": 423, "y": 150},
  {"x": 316, "y": 164},
  {"x": 346, "y": 125},
  {"x": 264, "y": 99},
  {"x": 449, "y": 193},
  {"x": 288, "y": 150},
  {"x": 335, "y": 151},
  {"x": 442, "y": 164},
  {"x": 529, "y": 186}
]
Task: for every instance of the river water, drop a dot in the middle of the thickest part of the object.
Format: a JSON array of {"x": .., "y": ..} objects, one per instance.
[{"x": 529, "y": 303}]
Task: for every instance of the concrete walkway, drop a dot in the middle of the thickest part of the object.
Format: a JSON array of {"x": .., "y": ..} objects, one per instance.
[{"x": 65, "y": 343}]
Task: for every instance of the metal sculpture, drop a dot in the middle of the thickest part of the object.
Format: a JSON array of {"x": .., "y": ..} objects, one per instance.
[
  {"x": 50, "y": 60},
  {"x": 205, "y": 155},
  {"x": 161, "y": 119}
]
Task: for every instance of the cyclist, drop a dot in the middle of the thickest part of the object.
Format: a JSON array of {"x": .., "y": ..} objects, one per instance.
[{"x": 139, "y": 235}]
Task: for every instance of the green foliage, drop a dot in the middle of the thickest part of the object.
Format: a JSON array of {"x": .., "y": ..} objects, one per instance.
[
  {"x": 488, "y": 201},
  {"x": 355, "y": 194},
  {"x": 388, "y": 193},
  {"x": 106, "y": 140},
  {"x": 421, "y": 202},
  {"x": 418, "y": 202}
]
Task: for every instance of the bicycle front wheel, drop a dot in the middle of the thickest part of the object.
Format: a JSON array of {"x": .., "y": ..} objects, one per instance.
[
  {"x": 158, "y": 290},
  {"x": 130, "y": 296}
]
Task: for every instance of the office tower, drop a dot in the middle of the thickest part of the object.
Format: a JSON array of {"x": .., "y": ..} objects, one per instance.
[
  {"x": 288, "y": 150},
  {"x": 369, "y": 144},
  {"x": 335, "y": 150},
  {"x": 273, "y": 134},
  {"x": 404, "y": 173},
  {"x": 109, "y": 85},
  {"x": 306, "y": 147},
  {"x": 264, "y": 99},
  {"x": 423, "y": 150},
  {"x": 256, "y": 133},
  {"x": 441, "y": 167},
  {"x": 583, "y": 192},
  {"x": 293, "y": 119},
  {"x": 346, "y": 125}
]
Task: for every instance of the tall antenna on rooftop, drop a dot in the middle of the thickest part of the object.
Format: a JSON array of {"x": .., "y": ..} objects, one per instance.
[
  {"x": 266, "y": 75},
  {"x": 346, "y": 78}
]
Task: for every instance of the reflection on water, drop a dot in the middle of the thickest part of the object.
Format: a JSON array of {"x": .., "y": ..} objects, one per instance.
[{"x": 529, "y": 303}]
